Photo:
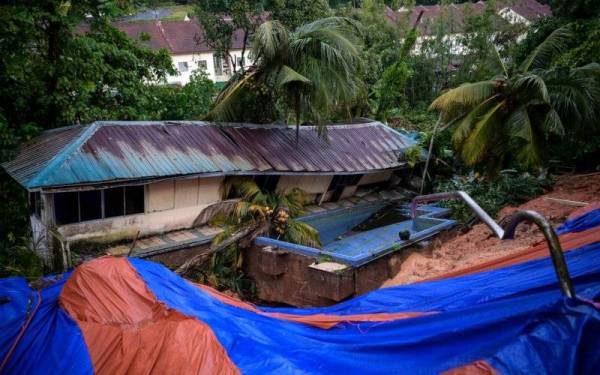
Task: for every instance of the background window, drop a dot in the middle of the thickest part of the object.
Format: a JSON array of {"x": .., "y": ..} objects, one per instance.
[
  {"x": 66, "y": 208},
  {"x": 114, "y": 202},
  {"x": 202, "y": 65},
  {"x": 182, "y": 66},
  {"x": 90, "y": 205},
  {"x": 218, "y": 65},
  {"x": 134, "y": 199}
]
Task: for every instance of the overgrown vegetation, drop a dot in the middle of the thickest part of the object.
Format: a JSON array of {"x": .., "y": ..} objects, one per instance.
[
  {"x": 266, "y": 213},
  {"x": 308, "y": 72},
  {"x": 508, "y": 189},
  {"x": 531, "y": 98},
  {"x": 509, "y": 118}
]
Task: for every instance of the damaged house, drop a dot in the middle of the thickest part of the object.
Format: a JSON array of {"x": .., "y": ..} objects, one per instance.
[{"x": 110, "y": 181}]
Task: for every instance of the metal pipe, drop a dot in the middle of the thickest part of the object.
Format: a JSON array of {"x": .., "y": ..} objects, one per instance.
[
  {"x": 479, "y": 212},
  {"x": 556, "y": 253},
  {"x": 508, "y": 232}
]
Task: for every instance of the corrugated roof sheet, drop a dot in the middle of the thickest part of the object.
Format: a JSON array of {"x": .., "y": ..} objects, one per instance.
[
  {"x": 528, "y": 9},
  {"x": 179, "y": 37},
  {"x": 113, "y": 151}
]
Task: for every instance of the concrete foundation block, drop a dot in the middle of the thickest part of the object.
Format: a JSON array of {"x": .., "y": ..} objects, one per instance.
[
  {"x": 331, "y": 280},
  {"x": 272, "y": 261}
]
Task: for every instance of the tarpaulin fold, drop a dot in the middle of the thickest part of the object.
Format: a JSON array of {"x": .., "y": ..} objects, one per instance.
[{"x": 115, "y": 315}]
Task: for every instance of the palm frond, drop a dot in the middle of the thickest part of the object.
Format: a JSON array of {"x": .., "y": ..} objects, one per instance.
[
  {"x": 526, "y": 143},
  {"x": 475, "y": 145},
  {"x": 225, "y": 103},
  {"x": 495, "y": 62},
  {"x": 466, "y": 95},
  {"x": 553, "y": 123},
  {"x": 301, "y": 233},
  {"x": 533, "y": 82},
  {"x": 270, "y": 41},
  {"x": 288, "y": 75},
  {"x": 466, "y": 124},
  {"x": 553, "y": 45}
]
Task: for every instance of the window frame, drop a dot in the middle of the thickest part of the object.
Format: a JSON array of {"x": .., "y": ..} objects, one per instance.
[
  {"x": 102, "y": 204},
  {"x": 181, "y": 64}
]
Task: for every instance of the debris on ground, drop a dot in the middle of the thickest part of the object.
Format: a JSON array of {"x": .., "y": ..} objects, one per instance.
[{"x": 478, "y": 245}]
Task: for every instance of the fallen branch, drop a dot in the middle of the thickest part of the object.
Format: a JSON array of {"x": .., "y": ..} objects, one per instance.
[
  {"x": 247, "y": 235},
  {"x": 566, "y": 201}
]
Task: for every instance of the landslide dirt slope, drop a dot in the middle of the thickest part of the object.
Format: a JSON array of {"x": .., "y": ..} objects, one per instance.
[{"x": 478, "y": 245}]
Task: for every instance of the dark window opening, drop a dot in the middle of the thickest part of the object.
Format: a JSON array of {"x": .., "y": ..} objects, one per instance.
[
  {"x": 114, "y": 202},
  {"x": 87, "y": 205},
  {"x": 66, "y": 207},
  {"x": 134, "y": 199},
  {"x": 339, "y": 182},
  {"x": 267, "y": 183},
  {"x": 90, "y": 203},
  {"x": 35, "y": 203}
]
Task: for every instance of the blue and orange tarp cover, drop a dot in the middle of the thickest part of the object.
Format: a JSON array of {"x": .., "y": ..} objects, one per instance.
[{"x": 124, "y": 315}]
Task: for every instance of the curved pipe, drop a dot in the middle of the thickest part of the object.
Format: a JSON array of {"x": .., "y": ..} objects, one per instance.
[
  {"x": 508, "y": 232},
  {"x": 556, "y": 253},
  {"x": 479, "y": 212}
]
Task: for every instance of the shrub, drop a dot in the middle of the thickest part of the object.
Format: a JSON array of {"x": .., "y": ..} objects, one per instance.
[{"x": 509, "y": 188}]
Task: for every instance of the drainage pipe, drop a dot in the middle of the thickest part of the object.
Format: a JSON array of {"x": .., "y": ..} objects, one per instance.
[{"x": 508, "y": 232}]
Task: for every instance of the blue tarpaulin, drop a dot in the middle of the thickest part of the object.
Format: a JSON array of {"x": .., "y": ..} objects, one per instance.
[{"x": 513, "y": 318}]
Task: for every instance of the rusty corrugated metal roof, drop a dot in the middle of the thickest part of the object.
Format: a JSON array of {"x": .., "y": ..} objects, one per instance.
[{"x": 112, "y": 151}]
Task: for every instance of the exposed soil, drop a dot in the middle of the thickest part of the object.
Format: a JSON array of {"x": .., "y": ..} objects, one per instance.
[{"x": 478, "y": 245}]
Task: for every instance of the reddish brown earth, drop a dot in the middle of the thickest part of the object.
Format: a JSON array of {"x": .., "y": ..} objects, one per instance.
[{"x": 479, "y": 245}]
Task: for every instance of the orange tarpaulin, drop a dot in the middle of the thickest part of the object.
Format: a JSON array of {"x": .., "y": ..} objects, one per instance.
[
  {"x": 324, "y": 321},
  {"x": 128, "y": 331}
]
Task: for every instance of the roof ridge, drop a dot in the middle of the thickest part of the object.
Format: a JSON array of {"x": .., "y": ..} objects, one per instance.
[
  {"x": 57, "y": 160},
  {"x": 164, "y": 35}
]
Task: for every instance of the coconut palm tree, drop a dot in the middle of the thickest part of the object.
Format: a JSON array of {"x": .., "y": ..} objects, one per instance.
[
  {"x": 511, "y": 116},
  {"x": 257, "y": 213},
  {"x": 271, "y": 213},
  {"x": 312, "y": 69}
]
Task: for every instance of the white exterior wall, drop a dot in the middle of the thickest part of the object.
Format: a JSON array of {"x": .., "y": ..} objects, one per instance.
[
  {"x": 170, "y": 205},
  {"x": 309, "y": 184},
  {"x": 183, "y": 78}
]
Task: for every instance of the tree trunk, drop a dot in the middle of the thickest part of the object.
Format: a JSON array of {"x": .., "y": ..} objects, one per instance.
[
  {"x": 246, "y": 34},
  {"x": 429, "y": 153},
  {"x": 53, "y": 54},
  {"x": 246, "y": 234},
  {"x": 297, "y": 110}
]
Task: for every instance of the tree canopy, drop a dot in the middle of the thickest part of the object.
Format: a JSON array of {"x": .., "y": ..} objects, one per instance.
[
  {"x": 513, "y": 114},
  {"x": 310, "y": 70}
]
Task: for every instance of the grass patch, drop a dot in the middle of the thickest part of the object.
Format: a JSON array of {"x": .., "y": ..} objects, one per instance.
[{"x": 179, "y": 12}]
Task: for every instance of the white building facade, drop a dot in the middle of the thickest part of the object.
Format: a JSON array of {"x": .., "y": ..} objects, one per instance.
[{"x": 188, "y": 48}]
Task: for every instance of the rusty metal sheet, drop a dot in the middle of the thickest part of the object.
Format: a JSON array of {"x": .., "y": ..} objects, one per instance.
[{"x": 111, "y": 151}]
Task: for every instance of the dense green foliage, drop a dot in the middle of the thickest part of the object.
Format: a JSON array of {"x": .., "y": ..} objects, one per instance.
[
  {"x": 189, "y": 102},
  {"x": 309, "y": 71},
  {"x": 56, "y": 70},
  {"x": 509, "y": 188},
  {"x": 272, "y": 214},
  {"x": 510, "y": 117}
]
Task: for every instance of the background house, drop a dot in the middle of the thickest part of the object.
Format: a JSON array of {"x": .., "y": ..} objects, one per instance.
[
  {"x": 515, "y": 12},
  {"x": 189, "y": 51}
]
